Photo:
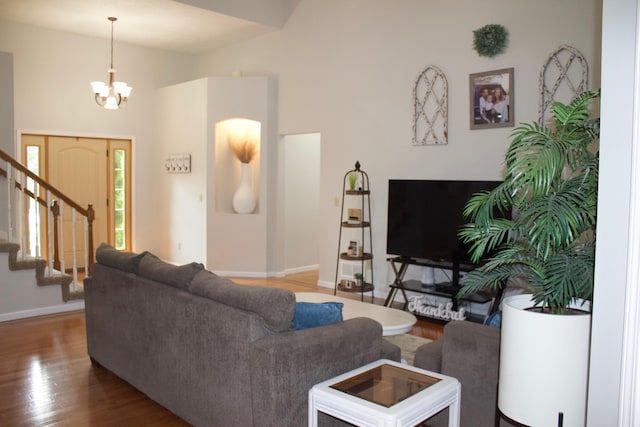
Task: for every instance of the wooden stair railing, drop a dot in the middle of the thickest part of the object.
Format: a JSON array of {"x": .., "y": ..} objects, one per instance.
[{"x": 52, "y": 203}]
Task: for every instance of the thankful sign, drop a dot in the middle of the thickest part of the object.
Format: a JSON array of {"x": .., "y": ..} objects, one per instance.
[{"x": 442, "y": 311}]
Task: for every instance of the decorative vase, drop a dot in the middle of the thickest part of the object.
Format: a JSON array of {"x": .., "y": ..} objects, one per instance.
[
  {"x": 244, "y": 200},
  {"x": 543, "y": 364}
]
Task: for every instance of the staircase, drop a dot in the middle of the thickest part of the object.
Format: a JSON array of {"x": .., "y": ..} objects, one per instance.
[
  {"x": 37, "y": 218},
  {"x": 56, "y": 278}
]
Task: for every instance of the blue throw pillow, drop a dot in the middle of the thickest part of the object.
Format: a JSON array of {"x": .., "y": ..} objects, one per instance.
[
  {"x": 311, "y": 315},
  {"x": 495, "y": 320}
]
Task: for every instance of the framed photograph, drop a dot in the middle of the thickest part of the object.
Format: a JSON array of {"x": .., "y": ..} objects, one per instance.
[
  {"x": 491, "y": 99},
  {"x": 354, "y": 248},
  {"x": 354, "y": 216}
]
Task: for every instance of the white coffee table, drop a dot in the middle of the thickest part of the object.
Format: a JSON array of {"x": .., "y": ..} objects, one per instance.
[
  {"x": 386, "y": 393},
  {"x": 393, "y": 321}
]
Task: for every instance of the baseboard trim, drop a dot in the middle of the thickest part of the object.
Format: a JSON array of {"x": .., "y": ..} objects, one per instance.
[
  {"x": 42, "y": 311},
  {"x": 302, "y": 269},
  {"x": 263, "y": 275}
]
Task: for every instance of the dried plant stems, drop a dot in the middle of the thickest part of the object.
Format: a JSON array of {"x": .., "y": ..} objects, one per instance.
[{"x": 243, "y": 147}]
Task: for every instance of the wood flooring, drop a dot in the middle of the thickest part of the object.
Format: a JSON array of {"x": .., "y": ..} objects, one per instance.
[{"x": 46, "y": 378}]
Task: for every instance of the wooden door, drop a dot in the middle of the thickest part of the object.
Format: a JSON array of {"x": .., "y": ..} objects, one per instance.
[{"x": 78, "y": 167}]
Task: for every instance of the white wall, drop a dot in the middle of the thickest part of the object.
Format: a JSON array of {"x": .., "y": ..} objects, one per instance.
[
  {"x": 614, "y": 340},
  {"x": 300, "y": 168},
  {"x": 346, "y": 69},
  {"x": 6, "y": 127},
  {"x": 52, "y": 71},
  {"x": 242, "y": 244},
  {"x": 182, "y": 129},
  {"x": 198, "y": 223}
]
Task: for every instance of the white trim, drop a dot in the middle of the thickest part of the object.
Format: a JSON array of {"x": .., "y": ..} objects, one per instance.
[
  {"x": 630, "y": 377},
  {"x": 78, "y": 134},
  {"x": 245, "y": 274},
  {"x": 42, "y": 311},
  {"x": 302, "y": 269}
]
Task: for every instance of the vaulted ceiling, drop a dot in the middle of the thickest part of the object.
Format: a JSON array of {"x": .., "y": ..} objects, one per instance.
[{"x": 188, "y": 26}]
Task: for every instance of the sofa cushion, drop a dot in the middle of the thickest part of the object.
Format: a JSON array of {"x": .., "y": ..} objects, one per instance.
[
  {"x": 178, "y": 276},
  {"x": 311, "y": 315},
  {"x": 276, "y": 306},
  {"x": 125, "y": 261}
]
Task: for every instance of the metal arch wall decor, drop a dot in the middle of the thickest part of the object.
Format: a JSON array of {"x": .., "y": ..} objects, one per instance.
[
  {"x": 563, "y": 77},
  {"x": 430, "y": 108}
]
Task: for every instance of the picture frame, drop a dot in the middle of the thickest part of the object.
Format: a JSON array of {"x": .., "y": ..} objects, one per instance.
[
  {"x": 354, "y": 249},
  {"x": 491, "y": 99},
  {"x": 354, "y": 215}
]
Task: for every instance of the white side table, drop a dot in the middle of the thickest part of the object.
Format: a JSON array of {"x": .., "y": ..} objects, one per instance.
[{"x": 386, "y": 393}]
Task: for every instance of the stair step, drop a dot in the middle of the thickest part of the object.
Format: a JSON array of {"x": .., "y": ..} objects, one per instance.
[{"x": 19, "y": 262}]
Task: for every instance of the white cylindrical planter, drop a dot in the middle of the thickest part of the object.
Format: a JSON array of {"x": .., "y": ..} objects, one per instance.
[
  {"x": 244, "y": 200},
  {"x": 543, "y": 365}
]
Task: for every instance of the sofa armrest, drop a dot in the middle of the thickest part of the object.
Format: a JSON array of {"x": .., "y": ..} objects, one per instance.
[
  {"x": 471, "y": 353},
  {"x": 390, "y": 351},
  {"x": 285, "y": 366},
  {"x": 429, "y": 356}
]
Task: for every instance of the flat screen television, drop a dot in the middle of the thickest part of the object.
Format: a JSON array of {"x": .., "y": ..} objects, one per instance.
[{"x": 424, "y": 217}]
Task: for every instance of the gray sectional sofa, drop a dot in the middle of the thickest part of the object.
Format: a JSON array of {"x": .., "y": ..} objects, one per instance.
[
  {"x": 213, "y": 352},
  {"x": 469, "y": 352}
]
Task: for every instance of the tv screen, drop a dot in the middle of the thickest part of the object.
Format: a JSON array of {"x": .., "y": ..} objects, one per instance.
[{"x": 424, "y": 218}]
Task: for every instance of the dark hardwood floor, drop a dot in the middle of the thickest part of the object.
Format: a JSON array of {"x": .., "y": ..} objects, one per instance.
[{"x": 46, "y": 378}]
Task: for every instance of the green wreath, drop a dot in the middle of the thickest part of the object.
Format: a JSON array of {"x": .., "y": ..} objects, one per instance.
[{"x": 490, "y": 40}]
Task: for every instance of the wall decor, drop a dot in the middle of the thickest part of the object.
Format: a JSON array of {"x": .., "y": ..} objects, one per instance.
[
  {"x": 490, "y": 40},
  {"x": 178, "y": 163},
  {"x": 491, "y": 99},
  {"x": 563, "y": 77},
  {"x": 430, "y": 108}
]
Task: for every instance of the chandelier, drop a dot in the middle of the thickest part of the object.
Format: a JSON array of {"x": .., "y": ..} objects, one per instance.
[{"x": 114, "y": 93}]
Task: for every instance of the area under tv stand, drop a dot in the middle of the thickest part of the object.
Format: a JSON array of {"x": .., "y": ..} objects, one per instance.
[{"x": 443, "y": 289}]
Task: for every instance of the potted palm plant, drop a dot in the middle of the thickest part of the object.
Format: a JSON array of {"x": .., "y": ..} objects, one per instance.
[{"x": 548, "y": 244}]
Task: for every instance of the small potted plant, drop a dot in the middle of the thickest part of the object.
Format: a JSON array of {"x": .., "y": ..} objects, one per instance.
[
  {"x": 550, "y": 188},
  {"x": 353, "y": 178},
  {"x": 359, "y": 279}
]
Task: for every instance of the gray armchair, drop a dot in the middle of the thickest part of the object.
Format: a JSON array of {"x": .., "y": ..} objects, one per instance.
[{"x": 469, "y": 352}]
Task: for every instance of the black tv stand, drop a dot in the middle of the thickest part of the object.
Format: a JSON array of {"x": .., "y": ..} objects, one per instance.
[{"x": 443, "y": 289}]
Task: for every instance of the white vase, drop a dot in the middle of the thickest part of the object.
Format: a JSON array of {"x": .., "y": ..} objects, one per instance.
[
  {"x": 244, "y": 200},
  {"x": 543, "y": 364}
]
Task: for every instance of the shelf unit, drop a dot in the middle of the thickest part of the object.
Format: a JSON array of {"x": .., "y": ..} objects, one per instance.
[
  {"x": 445, "y": 289},
  {"x": 355, "y": 236}
]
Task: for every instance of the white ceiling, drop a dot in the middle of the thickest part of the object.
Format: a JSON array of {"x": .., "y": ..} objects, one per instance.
[{"x": 162, "y": 24}]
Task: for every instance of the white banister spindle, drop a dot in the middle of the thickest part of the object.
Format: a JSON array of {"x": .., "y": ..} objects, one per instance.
[
  {"x": 22, "y": 226},
  {"x": 73, "y": 246},
  {"x": 86, "y": 246},
  {"x": 61, "y": 235},
  {"x": 38, "y": 221},
  {"x": 9, "y": 204},
  {"x": 50, "y": 233}
]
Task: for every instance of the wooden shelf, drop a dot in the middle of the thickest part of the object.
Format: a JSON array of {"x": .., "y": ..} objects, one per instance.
[
  {"x": 362, "y": 224},
  {"x": 364, "y": 257},
  {"x": 368, "y": 287}
]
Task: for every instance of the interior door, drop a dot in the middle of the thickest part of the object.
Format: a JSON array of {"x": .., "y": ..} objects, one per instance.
[{"x": 78, "y": 167}]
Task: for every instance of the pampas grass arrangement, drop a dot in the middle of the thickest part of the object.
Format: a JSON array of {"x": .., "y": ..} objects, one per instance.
[{"x": 243, "y": 147}]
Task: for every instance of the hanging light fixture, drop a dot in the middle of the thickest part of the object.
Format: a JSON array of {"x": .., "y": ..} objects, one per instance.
[{"x": 111, "y": 95}]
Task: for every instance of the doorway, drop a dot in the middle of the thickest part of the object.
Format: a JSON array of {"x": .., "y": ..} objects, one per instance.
[
  {"x": 300, "y": 155},
  {"x": 91, "y": 171}
]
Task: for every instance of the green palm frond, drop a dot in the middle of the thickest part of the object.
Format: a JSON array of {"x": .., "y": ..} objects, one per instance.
[
  {"x": 485, "y": 239},
  {"x": 550, "y": 188}
]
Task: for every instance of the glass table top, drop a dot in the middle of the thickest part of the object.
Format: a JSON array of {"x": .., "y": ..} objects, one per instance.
[{"x": 385, "y": 385}]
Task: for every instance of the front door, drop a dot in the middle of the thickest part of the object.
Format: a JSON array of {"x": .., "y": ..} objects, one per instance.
[
  {"x": 94, "y": 171},
  {"x": 78, "y": 168}
]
